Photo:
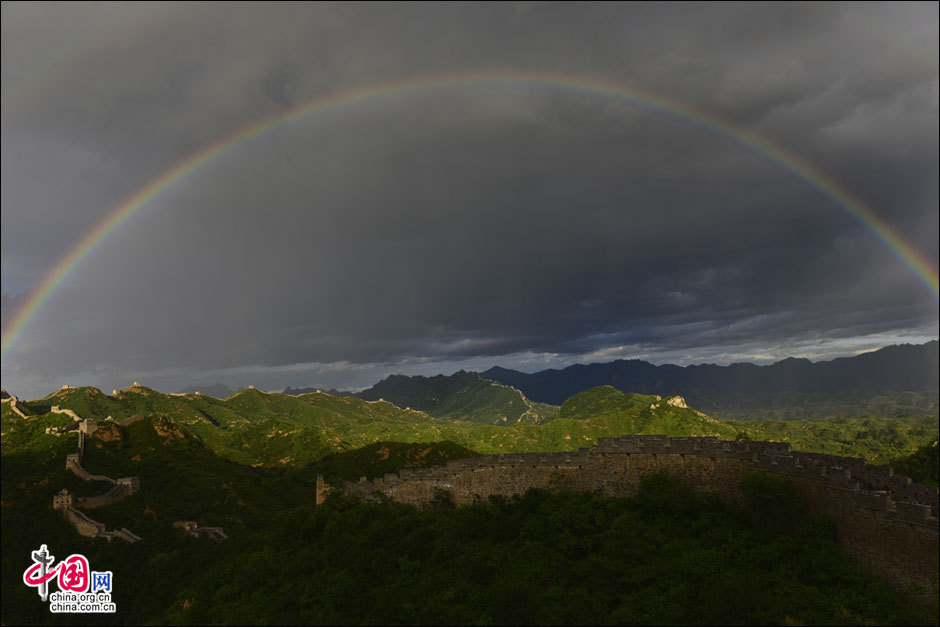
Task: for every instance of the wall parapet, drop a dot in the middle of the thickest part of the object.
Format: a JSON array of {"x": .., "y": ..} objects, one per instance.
[
  {"x": 12, "y": 400},
  {"x": 870, "y": 482},
  {"x": 887, "y": 520},
  {"x": 94, "y": 529},
  {"x": 73, "y": 463},
  {"x": 193, "y": 528}
]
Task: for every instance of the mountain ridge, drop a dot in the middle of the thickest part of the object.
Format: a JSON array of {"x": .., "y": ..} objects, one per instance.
[
  {"x": 728, "y": 390},
  {"x": 463, "y": 395}
]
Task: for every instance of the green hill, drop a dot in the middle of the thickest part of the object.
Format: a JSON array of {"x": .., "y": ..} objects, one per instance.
[
  {"x": 667, "y": 556},
  {"x": 643, "y": 414},
  {"x": 195, "y": 457},
  {"x": 181, "y": 478},
  {"x": 462, "y": 396},
  {"x": 260, "y": 428}
]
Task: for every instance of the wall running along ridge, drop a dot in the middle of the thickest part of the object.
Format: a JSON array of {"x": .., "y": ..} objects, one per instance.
[
  {"x": 67, "y": 502},
  {"x": 68, "y": 412},
  {"x": 889, "y": 523},
  {"x": 193, "y": 528},
  {"x": 16, "y": 410}
]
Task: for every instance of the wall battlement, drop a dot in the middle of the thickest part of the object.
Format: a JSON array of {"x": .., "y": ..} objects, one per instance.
[
  {"x": 67, "y": 502},
  {"x": 193, "y": 529},
  {"x": 113, "y": 495},
  {"x": 73, "y": 463},
  {"x": 12, "y": 400},
  {"x": 85, "y": 526},
  {"x": 847, "y": 473},
  {"x": 887, "y": 521}
]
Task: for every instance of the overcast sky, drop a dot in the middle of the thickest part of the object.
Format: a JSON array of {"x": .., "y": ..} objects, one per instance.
[{"x": 460, "y": 226}]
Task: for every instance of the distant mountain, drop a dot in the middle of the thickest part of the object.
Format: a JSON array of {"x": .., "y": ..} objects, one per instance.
[
  {"x": 215, "y": 390},
  {"x": 332, "y": 391},
  {"x": 462, "y": 396},
  {"x": 890, "y": 381}
]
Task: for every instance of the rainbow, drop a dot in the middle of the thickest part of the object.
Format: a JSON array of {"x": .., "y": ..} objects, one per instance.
[{"x": 850, "y": 204}]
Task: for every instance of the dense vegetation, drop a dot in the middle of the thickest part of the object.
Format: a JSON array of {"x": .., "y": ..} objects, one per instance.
[
  {"x": 666, "y": 556},
  {"x": 800, "y": 406},
  {"x": 254, "y": 427},
  {"x": 875, "y": 438},
  {"x": 923, "y": 465},
  {"x": 462, "y": 395}
]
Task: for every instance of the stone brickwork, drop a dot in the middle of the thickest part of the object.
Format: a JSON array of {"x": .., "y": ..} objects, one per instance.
[
  {"x": 131, "y": 420},
  {"x": 122, "y": 489},
  {"x": 73, "y": 463},
  {"x": 12, "y": 400},
  {"x": 85, "y": 526},
  {"x": 55, "y": 409},
  {"x": 66, "y": 502},
  {"x": 884, "y": 519},
  {"x": 193, "y": 529}
]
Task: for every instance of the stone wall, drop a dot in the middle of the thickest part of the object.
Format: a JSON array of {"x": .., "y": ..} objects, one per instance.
[
  {"x": 131, "y": 420},
  {"x": 888, "y": 522},
  {"x": 94, "y": 529},
  {"x": 72, "y": 462},
  {"x": 16, "y": 410},
  {"x": 85, "y": 525},
  {"x": 66, "y": 501},
  {"x": 55, "y": 409},
  {"x": 113, "y": 495},
  {"x": 193, "y": 528}
]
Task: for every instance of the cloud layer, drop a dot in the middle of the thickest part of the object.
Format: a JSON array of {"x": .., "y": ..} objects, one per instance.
[{"x": 462, "y": 225}]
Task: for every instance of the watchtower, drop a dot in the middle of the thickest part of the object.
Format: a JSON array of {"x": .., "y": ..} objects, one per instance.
[
  {"x": 63, "y": 500},
  {"x": 131, "y": 484},
  {"x": 85, "y": 428}
]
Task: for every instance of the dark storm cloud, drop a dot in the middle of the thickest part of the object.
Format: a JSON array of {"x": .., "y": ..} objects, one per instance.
[{"x": 459, "y": 226}]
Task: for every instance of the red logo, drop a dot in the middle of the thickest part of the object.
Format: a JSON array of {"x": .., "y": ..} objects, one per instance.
[{"x": 73, "y": 573}]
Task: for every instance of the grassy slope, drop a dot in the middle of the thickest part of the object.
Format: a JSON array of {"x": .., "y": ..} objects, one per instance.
[
  {"x": 796, "y": 405},
  {"x": 183, "y": 478},
  {"x": 254, "y": 427},
  {"x": 875, "y": 438},
  {"x": 462, "y": 396}
]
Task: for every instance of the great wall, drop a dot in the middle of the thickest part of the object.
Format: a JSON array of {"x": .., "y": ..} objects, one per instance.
[
  {"x": 12, "y": 400},
  {"x": 123, "y": 487},
  {"x": 192, "y": 528},
  {"x": 67, "y": 502},
  {"x": 889, "y": 523}
]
